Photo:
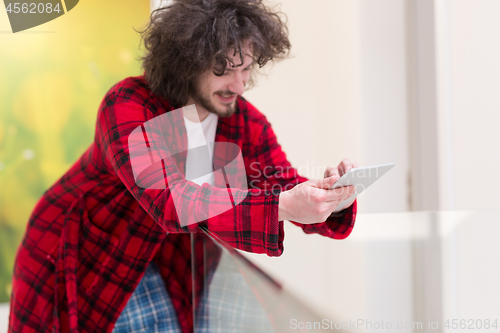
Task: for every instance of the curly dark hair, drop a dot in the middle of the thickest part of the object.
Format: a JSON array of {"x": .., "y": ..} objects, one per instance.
[{"x": 184, "y": 39}]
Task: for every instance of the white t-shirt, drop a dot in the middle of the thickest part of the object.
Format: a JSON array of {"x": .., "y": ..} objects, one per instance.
[{"x": 198, "y": 135}]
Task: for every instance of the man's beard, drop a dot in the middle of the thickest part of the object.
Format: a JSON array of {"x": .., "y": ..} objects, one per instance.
[{"x": 207, "y": 104}]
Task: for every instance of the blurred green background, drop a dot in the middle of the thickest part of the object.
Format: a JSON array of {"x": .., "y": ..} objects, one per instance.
[{"x": 52, "y": 79}]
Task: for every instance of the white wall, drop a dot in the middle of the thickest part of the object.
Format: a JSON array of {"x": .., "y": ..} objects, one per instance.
[
  {"x": 384, "y": 102},
  {"x": 454, "y": 79},
  {"x": 475, "y": 79},
  {"x": 4, "y": 317},
  {"x": 470, "y": 280}
]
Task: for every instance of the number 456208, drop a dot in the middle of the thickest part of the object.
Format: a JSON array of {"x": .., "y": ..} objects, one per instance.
[{"x": 32, "y": 8}]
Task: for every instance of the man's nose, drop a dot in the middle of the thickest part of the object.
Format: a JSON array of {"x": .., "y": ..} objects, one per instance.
[{"x": 238, "y": 83}]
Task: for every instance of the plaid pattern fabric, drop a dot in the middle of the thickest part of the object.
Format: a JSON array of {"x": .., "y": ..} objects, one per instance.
[
  {"x": 229, "y": 305},
  {"x": 150, "y": 308},
  {"x": 93, "y": 233}
]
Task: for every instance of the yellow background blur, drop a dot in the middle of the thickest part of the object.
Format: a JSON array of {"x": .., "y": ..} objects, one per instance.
[{"x": 52, "y": 79}]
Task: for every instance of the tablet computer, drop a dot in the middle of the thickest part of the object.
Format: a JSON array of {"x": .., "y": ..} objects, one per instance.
[{"x": 360, "y": 178}]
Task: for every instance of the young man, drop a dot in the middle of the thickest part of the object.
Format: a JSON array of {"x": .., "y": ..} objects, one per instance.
[{"x": 97, "y": 239}]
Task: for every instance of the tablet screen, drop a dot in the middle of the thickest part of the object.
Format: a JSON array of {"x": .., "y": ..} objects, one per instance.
[{"x": 361, "y": 178}]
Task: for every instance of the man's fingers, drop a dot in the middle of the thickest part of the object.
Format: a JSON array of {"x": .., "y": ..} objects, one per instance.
[
  {"x": 340, "y": 194},
  {"x": 327, "y": 182},
  {"x": 345, "y": 166},
  {"x": 331, "y": 171}
]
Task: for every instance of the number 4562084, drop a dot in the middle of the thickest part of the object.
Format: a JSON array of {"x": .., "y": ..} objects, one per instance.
[
  {"x": 32, "y": 8},
  {"x": 471, "y": 324}
]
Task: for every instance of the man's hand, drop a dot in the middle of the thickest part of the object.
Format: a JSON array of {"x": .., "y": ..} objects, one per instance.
[
  {"x": 312, "y": 201},
  {"x": 341, "y": 169}
]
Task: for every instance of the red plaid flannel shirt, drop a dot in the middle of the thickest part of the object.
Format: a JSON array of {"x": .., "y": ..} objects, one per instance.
[{"x": 93, "y": 233}]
